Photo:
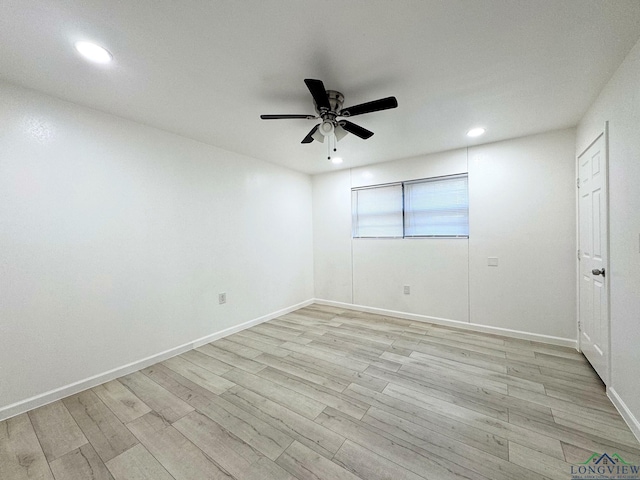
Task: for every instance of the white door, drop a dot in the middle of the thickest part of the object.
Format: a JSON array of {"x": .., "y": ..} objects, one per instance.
[{"x": 593, "y": 256}]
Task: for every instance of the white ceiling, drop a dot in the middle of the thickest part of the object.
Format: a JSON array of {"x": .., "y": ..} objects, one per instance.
[{"x": 207, "y": 69}]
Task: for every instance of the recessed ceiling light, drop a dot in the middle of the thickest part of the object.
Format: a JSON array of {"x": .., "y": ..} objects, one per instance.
[
  {"x": 475, "y": 132},
  {"x": 336, "y": 160},
  {"x": 93, "y": 52}
]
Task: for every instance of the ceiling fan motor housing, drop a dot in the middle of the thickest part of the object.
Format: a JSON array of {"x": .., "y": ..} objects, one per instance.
[{"x": 336, "y": 100}]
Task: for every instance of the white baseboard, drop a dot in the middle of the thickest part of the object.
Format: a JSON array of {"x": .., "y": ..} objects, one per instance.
[
  {"x": 231, "y": 330},
  {"x": 62, "y": 392},
  {"x": 629, "y": 418},
  {"x": 535, "y": 337}
]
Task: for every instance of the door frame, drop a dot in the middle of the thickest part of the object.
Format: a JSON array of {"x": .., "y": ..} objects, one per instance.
[{"x": 607, "y": 278}]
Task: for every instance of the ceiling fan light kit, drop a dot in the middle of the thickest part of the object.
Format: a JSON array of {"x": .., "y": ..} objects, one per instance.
[
  {"x": 328, "y": 106},
  {"x": 326, "y": 128},
  {"x": 340, "y": 133}
]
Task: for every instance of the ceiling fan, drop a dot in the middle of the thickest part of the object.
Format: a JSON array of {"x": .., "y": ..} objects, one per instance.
[{"x": 328, "y": 105}]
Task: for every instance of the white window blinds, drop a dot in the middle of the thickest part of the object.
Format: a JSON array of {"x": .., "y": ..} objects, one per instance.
[
  {"x": 437, "y": 207},
  {"x": 377, "y": 212}
]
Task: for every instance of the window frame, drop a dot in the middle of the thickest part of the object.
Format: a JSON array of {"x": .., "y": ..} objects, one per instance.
[
  {"x": 402, "y": 185},
  {"x": 430, "y": 180},
  {"x": 371, "y": 187}
]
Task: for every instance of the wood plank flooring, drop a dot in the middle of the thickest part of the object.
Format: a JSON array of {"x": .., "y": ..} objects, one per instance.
[{"x": 325, "y": 393}]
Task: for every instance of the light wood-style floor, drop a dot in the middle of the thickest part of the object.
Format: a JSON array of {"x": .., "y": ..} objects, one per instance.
[{"x": 324, "y": 393}]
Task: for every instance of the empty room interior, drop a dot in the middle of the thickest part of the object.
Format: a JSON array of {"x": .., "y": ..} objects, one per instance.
[{"x": 294, "y": 239}]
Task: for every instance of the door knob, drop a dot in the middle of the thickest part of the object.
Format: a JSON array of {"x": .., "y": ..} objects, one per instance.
[{"x": 596, "y": 271}]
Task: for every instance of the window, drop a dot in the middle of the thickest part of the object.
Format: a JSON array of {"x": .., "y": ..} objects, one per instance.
[
  {"x": 437, "y": 207},
  {"x": 432, "y": 207},
  {"x": 377, "y": 211}
]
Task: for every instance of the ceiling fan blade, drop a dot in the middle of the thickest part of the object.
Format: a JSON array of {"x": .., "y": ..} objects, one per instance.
[
  {"x": 309, "y": 137},
  {"x": 279, "y": 117},
  {"x": 318, "y": 92},
  {"x": 355, "y": 129},
  {"x": 374, "y": 106}
]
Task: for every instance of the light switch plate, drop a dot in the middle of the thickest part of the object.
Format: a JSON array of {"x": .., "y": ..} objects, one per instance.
[{"x": 492, "y": 261}]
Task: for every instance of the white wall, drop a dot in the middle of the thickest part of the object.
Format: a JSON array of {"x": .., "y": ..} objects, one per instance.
[
  {"x": 116, "y": 238},
  {"x": 436, "y": 270},
  {"x": 332, "y": 236},
  {"x": 522, "y": 210},
  {"x": 619, "y": 103}
]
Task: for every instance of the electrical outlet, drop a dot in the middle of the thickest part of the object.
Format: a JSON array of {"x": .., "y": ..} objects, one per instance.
[
  {"x": 222, "y": 298},
  {"x": 407, "y": 290},
  {"x": 492, "y": 261}
]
